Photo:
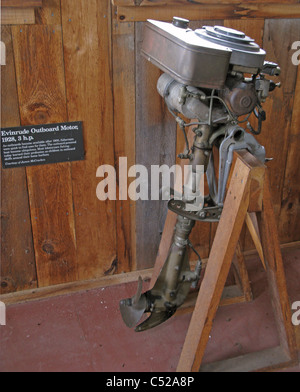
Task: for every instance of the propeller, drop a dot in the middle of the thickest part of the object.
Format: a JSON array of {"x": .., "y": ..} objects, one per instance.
[
  {"x": 132, "y": 309},
  {"x": 169, "y": 292}
]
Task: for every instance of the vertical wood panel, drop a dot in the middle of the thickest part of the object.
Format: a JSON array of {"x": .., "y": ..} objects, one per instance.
[
  {"x": 87, "y": 53},
  {"x": 17, "y": 253},
  {"x": 155, "y": 145},
  {"x": 289, "y": 222},
  {"x": 278, "y": 38},
  {"x": 41, "y": 88},
  {"x": 124, "y": 135}
]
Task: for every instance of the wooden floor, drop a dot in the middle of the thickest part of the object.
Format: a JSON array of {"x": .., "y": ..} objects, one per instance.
[{"x": 83, "y": 331}]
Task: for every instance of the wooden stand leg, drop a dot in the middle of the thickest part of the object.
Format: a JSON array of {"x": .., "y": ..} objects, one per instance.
[
  {"x": 276, "y": 275},
  {"x": 241, "y": 273},
  {"x": 247, "y": 174},
  {"x": 222, "y": 252}
]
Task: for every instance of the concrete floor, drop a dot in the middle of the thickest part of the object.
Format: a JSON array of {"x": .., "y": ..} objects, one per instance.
[{"x": 84, "y": 331}]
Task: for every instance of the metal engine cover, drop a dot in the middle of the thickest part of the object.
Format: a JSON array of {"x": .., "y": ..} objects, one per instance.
[
  {"x": 186, "y": 56},
  {"x": 245, "y": 52},
  {"x": 199, "y": 58}
]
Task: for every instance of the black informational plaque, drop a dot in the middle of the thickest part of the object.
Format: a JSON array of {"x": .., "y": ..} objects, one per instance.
[{"x": 41, "y": 144}]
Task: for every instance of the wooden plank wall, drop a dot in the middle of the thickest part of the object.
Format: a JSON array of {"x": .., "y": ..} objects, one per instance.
[
  {"x": 83, "y": 63},
  {"x": 63, "y": 73}
]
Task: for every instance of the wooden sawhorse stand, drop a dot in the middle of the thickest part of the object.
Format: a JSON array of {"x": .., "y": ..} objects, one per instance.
[{"x": 248, "y": 193}]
